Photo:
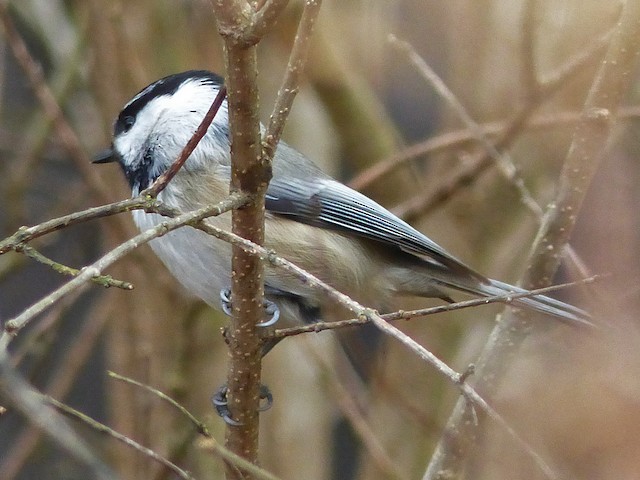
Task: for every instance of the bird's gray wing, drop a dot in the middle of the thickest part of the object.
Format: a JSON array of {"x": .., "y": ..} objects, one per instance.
[{"x": 326, "y": 203}]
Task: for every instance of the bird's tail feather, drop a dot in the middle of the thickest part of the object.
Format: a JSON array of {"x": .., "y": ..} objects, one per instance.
[{"x": 540, "y": 303}]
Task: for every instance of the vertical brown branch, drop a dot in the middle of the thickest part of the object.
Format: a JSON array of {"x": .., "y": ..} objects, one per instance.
[
  {"x": 250, "y": 175},
  {"x": 589, "y": 142}
]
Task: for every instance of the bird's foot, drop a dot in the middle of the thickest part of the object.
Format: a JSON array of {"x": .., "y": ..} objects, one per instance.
[
  {"x": 221, "y": 404},
  {"x": 270, "y": 308}
]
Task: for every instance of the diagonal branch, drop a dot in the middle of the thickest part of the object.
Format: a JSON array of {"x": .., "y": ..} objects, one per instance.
[
  {"x": 14, "y": 325},
  {"x": 291, "y": 81},
  {"x": 589, "y": 142}
]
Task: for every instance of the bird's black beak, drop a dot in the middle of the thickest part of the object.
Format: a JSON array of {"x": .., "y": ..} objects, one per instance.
[{"x": 105, "y": 156}]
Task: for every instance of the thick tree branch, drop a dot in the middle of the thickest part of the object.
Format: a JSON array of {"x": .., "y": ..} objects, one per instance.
[{"x": 249, "y": 175}]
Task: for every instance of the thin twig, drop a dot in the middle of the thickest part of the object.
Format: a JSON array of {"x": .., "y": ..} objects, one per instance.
[
  {"x": 50, "y": 106},
  {"x": 26, "y": 234},
  {"x": 353, "y": 412},
  {"x": 590, "y": 140},
  {"x": 423, "y": 312},
  {"x": 502, "y": 160},
  {"x": 202, "y": 429},
  {"x": 421, "y": 204},
  {"x": 13, "y": 326},
  {"x": 458, "y": 139},
  {"x": 104, "y": 280},
  {"x": 58, "y": 385},
  {"x": 30, "y": 403},
  {"x": 162, "y": 181},
  {"x": 291, "y": 80},
  {"x": 129, "y": 442}
]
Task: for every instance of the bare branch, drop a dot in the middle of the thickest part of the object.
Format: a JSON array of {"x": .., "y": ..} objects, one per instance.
[
  {"x": 30, "y": 403},
  {"x": 250, "y": 175},
  {"x": 424, "y": 312},
  {"x": 50, "y": 106},
  {"x": 162, "y": 181},
  {"x": 503, "y": 161},
  {"x": 202, "y": 429},
  {"x": 422, "y": 204},
  {"x": 295, "y": 68},
  {"x": 13, "y": 326},
  {"x": 590, "y": 140},
  {"x": 265, "y": 18},
  {"x": 104, "y": 280},
  {"x": 102, "y": 428},
  {"x": 27, "y": 234},
  {"x": 457, "y": 139}
]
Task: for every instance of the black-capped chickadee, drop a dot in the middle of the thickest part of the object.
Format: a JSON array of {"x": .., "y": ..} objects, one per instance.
[{"x": 325, "y": 227}]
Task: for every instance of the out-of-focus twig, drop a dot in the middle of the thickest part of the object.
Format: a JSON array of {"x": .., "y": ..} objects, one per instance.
[
  {"x": 458, "y": 139},
  {"x": 102, "y": 428},
  {"x": 291, "y": 80},
  {"x": 63, "y": 379},
  {"x": 589, "y": 142},
  {"x": 467, "y": 173},
  {"x": 202, "y": 429},
  {"x": 30, "y": 403},
  {"x": 502, "y": 160},
  {"x": 353, "y": 412},
  {"x": 51, "y": 108}
]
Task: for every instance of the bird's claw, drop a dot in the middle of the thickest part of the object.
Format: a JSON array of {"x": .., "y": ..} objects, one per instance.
[
  {"x": 221, "y": 404},
  {"x": 270, "y": 308},
  {"x": 225, "y": 301},
  {"x": 265, "y": 394}
]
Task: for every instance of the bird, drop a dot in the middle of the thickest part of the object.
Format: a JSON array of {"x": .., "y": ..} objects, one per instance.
[{"x": 334, "y": 232}]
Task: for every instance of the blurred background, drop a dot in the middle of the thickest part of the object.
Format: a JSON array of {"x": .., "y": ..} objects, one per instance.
[{"x": 574, "y": 397}]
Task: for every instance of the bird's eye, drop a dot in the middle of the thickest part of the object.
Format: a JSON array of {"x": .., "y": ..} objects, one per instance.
[{"x": 127, "y": 123}]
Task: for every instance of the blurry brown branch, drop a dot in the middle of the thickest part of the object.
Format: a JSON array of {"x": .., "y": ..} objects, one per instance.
[
  {"x": 50, "y": 106},
  {"x": 352, "y": 409},
  {"x": 129, "y": 442},
  {"x": 64, "y": 378},
  {"x": 590, "y": 141},
  {"x": 291, "y": 80},
  {"x": 466, "y": 174},
  {"x": 502, "y": 160},
  {"x": 462, "y": 138},
  {"x": 30, "y": 403},
  {"x": 202, "y": 429}
]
